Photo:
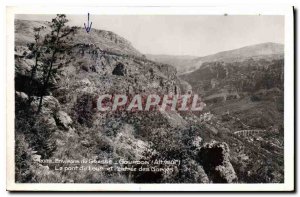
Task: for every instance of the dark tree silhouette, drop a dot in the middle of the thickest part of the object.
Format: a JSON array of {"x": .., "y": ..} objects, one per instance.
[{"x": 56, "y": 43}]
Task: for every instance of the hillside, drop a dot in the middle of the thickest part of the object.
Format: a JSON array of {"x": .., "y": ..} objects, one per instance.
[
  {"x": 245, "y": 96},
  {"x": 186, "y": 64},
  {"x": 251, "y": 81},
  {"x": 105, "y": 40}
]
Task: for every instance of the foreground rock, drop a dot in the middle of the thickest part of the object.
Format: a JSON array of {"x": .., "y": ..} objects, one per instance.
[
  {"x": 63, "y": 120},
  {"x": 214, "y": 157}
]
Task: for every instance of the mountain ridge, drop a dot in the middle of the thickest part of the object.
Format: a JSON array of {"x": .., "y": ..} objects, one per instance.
[
  {"x": 105, "y": 40},
  {"x": 268, "y": 50}
]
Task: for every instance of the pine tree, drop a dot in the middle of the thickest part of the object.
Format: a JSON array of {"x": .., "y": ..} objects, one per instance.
[{"x": 56, "y": 43}]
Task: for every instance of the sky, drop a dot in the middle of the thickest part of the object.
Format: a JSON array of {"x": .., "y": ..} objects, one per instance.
[{"x": 184, "y": 35}]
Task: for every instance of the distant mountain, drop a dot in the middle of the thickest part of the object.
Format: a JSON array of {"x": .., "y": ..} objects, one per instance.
[
  {"x": 174, "y": 60},
  {"x": 182, "y": 63},
  {"x": 186, "y": 64},
  {"x": 264, "y": 49}
]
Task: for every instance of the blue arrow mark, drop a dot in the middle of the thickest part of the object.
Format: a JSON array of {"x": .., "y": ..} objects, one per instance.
[{"x": 88, "y": 26}]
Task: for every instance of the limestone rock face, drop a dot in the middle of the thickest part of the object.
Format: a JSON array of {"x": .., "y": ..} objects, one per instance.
[
  {"x": 214, "y": 157},
  {"x": 97, "y": 39},
  {"x": 49, "y": 121},
  {"x": 50, "y": 105},
  {"x": 84, "y": 82},
  {"x": 36, "y": 158},
  {"x": 24, "y": 66},
  {"x": 63, "y": 119},
  {"x": 22, "y": 96}
]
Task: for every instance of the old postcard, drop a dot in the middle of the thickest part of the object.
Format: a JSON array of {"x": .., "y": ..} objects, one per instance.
[{"x": 150, "y": 99}]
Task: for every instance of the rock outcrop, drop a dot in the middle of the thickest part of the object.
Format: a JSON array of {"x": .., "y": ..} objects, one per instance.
[
  {"x": 22, "y": 96},
  {"x": 214, "y": 157},
  {"x": 63, "y": 120}
]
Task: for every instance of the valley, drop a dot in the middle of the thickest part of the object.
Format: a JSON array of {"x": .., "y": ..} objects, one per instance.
[{"x": 242, "y": 91}]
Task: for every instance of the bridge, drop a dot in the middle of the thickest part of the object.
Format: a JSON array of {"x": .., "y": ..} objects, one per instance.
[{"x": 249, "y": 132}]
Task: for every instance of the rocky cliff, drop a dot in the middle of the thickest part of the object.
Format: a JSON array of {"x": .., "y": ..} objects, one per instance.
[{"x": 69, "y": 126}]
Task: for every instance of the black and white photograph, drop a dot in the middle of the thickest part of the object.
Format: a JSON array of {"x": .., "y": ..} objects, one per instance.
[{"x": 149, "y": 99}]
